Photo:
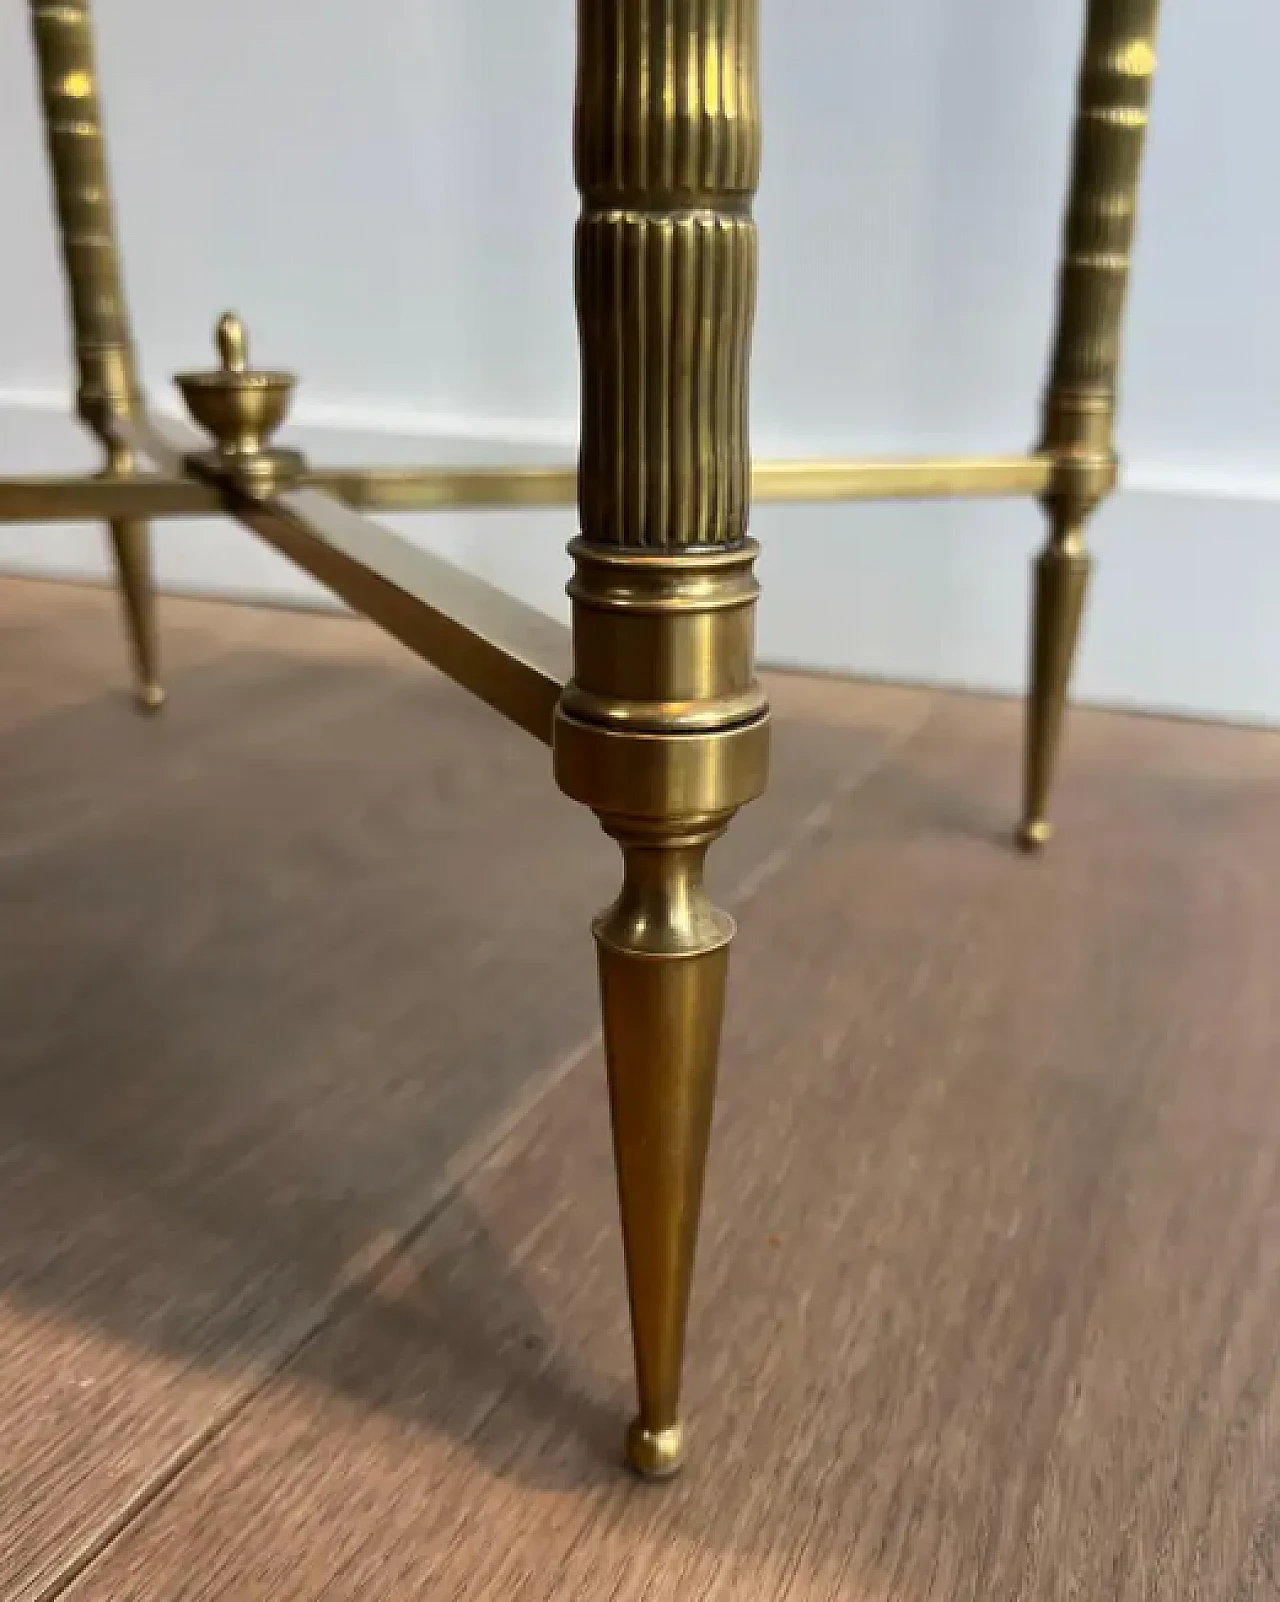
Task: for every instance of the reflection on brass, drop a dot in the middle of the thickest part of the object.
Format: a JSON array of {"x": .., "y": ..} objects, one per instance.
[
  {"x": 651, "y": 706},
  {"x": 926, "y": 480},
  {"x": 108, "y": 382},
  {"x": 1116, "y": 75},
  {"x": 455, "y": 489},
  {"x": 511, "y": 656},
  {"x": 131, "y": 546},
  {"x": 664, "y": 731},
  {"x": 242, "y": 407},
  {"x": 425, "y": 489},
  {"x": 514, "y": 658},
  {"x": 85, "y": 497},
  {"x": 450, "y": 489}
]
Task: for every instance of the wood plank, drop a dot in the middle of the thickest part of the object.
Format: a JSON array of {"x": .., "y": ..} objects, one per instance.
[
  {"x": 273, "y": 970},
  {"x": 991, "y": 1271}
]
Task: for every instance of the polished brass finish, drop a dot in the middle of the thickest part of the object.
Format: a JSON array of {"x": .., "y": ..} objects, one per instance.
[
  {"x": 664, "y": 730},
  {"x": 652, "y": 707},
  {"x": 47, "y": 499},
  {"x": 131, "y": 546},
  {"x": 242, "y": 407},
  {"x": 509, "y": 655},
  {"x": 450, "y": 489},
  {"x": 456, "y": 489},
  {"x": 108, "y": 381},
  {"x": 1116, "y": 74},
  {"x": 426, "y": 489},
  {"x": 941, "y": 478},
  {"x": 512, "y": 657}
]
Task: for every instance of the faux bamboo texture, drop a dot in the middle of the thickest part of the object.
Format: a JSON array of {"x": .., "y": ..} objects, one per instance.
[
  {"x": 664, "y": 728},
  {"x": 108, "y": 382},
  {"x": 660, "y": 727},
  {"x": 1116, "y": 74},
  {"x": 667, "y": 148},
  {"x": 108, "y": 379}
]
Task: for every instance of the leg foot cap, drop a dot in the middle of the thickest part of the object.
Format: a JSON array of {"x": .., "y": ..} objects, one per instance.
[
  {"x": 655, "y": 1454},
  {"x": 1034, "y": 835},
  {"x": 150, "y": 697}
]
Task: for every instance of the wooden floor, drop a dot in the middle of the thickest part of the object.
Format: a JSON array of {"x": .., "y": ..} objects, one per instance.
[{"x": 310, "y": 1282}]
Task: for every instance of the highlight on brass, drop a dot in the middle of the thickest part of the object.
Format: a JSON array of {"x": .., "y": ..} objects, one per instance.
[
  {"x": 107, "y": 387},
  {"x": 242, "y": 408},
  {"x": 1116, "y": 74},
  {"x": 650, "y": 702}
]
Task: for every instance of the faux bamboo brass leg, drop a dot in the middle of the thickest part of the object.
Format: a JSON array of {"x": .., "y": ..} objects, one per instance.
[
  {"x": 108, "y": 384},
  {"x": 1116, "y": 75},
  {"x": 663, "y": 729}
]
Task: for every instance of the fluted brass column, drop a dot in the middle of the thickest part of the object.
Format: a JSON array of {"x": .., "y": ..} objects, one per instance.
[
  {"x": 663, "y": 730},
  {"x": 1117, "y": 68},
  {"x": 108, "y": 384}
]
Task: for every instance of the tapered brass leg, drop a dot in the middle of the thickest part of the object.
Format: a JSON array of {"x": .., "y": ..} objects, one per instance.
[
  {"x": 108, "y": 383},
  {"x": 1059, "y": 586},
  {"x": 1118, "y": 64},
  {"x": 663, "y": 729},
  {"x": 664, "y": 956},
  {"x": 131, "y": 548}
]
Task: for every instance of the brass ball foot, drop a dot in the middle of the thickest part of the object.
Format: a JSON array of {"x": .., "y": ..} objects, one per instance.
[
  {"x": 655, "y": 1454},
  {"x": 1034, "y": 835},
  {"x": 150, "y": 697}
]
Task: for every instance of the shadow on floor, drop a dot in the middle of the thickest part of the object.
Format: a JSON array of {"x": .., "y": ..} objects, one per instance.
[{"x": 280, "y": 965}]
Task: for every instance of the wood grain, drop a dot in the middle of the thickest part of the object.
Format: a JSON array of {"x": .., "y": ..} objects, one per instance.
[
  {"x": 991, "y": 1269},
  {"x": 275, "y": 969}
]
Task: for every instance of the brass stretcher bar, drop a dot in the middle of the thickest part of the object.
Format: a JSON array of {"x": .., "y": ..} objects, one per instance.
[
  {"x": 514, "y": 658},
  {"x": 650, "y": 704},
  {"x": 457, "y": 489}
]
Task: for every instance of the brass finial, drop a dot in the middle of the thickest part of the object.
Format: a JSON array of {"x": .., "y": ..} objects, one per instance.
[
  {"x": 233, "y": 343},
  {"x": 242, "y": 407}
]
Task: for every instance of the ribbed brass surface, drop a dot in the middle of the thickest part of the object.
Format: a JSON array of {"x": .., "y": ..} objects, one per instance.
[
  {"x": 652, "y": 706},
  {"x": 1116, "y": 75},
  {"x": 664, "y": 729},
  {"x": 86, "y": 225},
  {"x": 108, "y": 379}
]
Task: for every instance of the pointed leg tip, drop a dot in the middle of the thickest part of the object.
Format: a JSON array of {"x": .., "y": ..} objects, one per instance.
[
  {"x": 150, "y": 698},
  {"x": 655, "y": 1454},
  {"x": 1034, "y": 835}
]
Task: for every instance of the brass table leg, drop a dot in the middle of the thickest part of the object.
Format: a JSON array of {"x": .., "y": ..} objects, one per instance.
[
  {"x": 131, "y": 547},
  {"x": 1116, "y": 74},
  {"x": 108, "y": 383},
  {"x": 663, "y": 729}
]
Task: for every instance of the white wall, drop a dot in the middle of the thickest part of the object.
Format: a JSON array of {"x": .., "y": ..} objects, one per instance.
[{"x": 384, "y": 192}]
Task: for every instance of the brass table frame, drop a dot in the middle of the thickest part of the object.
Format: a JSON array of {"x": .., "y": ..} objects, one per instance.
[{"x": 650, "y": 702}]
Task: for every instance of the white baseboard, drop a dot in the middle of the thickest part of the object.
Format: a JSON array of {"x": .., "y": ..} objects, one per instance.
[{"x": 1182, "y": 616}]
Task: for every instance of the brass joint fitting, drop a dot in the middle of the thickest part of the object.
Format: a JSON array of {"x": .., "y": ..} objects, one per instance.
[
  {"x": 1077, "y": 437},
  {"x": 242, "y": 408},
  {"x": 663, "y": 718},
  {"x": 108, "y": 388}
]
